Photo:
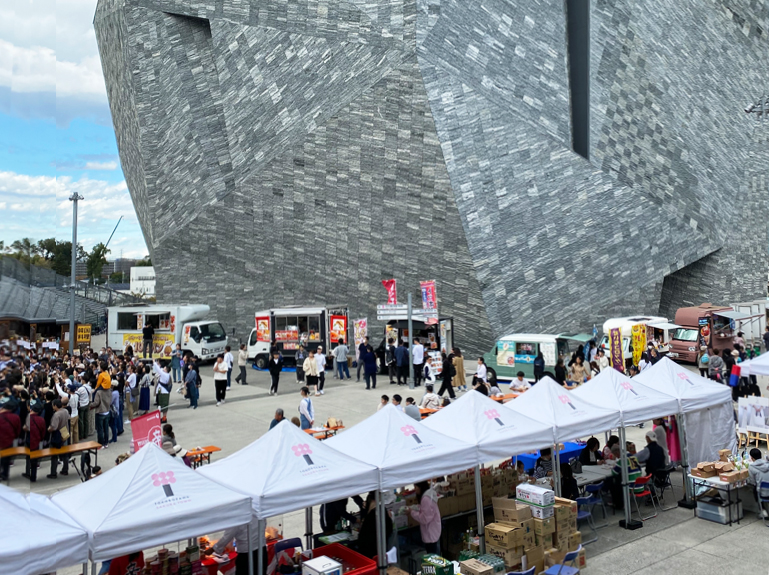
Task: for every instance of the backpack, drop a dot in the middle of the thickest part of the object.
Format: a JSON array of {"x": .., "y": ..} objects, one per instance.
[{"x": 704, "y": 359}]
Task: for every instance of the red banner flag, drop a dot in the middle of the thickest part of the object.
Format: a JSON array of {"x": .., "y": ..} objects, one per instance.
[
  {"x": 429, "y": 299},
  {"x": 392, "y": 291},
  {"x": 146, "y": 429}
]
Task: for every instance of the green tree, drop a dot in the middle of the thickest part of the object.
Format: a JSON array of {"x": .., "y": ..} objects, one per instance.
[
  {"x": 95, "y": 261},
  {"x": 23, "y": 250},
  {"x": 58, "y": 254},
  {"x": 143, "y": 263},
  {"x": 116, "y": 278}
]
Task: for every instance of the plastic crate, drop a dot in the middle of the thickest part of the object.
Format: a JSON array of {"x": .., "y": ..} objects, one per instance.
[{"x": 359, "y": 564}]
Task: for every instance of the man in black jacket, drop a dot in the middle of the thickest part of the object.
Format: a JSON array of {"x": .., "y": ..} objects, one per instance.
[
  {"x": 148, "y": 333},
  {"x": 275, "y": 366},
  {"x": 653, "y": 454}
]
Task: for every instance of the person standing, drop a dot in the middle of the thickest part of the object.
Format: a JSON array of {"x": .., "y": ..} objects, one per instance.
[
  {"x": 428, "y": 516},
  {"x": 539, "y": 367},
  {"x": 132, "y": 391},
  {"x": 320, "y": 359},
  {"x": 191, "y": 383},
  {"x": 419, "y": 362},
  {"x": 148, "y": 334},
  {"x": 299, "y": 358},
  {"x": 35, "y": 429},
  {"x": 340, "y": 357},
  {"x": 58, "y": 433},
  {"x": 163, "y": 389},
  {"x": 306, "y": 411},
  {"x": 10, "y": 430},
  {"x": 114, "y": 411},
  {"x": 703, "y": 358},
  {"x": 369, "y": 367},
  {"x": 447, "y": 375},
  {"x": 361, "y": 350},
  {"x": 83, "y": 393},
  {"x": 220, "y": 379},
  {"x": 766, "y": 338},
  {"x": 242, "y": 360},
  {"x": 275, "y": 367},
  {"x": 458, "y": 361},
  {"x": 310, "y": 368},
  {"x": 390, "y": 360},
  {"x": 176, "y": 366},
  {"x": 402, "y": 363},
  {"x": 229, "y": 360}
]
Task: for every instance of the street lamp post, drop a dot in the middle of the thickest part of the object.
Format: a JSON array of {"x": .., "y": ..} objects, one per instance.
[{"x": 74, "y": 198}]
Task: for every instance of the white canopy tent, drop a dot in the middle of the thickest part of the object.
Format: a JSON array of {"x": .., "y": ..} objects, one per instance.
[
  {"x": 569, "y": 415},
  {"x": 150, "y": 499},
  {"x": 497, "y": 432},
  {"x": 635, "y": 401},
  {"x": 707, "y": 406},
  {"x": 405, "y": 451},
  {"x": 39, "y": 537},
  {"x": 286, "y": 469},
  {"x": 755, "y": 366}
]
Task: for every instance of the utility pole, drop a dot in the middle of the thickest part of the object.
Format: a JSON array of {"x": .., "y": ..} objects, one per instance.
[
  {"x": 411, "y": 344},
  {"x": 74, "y": 198}
]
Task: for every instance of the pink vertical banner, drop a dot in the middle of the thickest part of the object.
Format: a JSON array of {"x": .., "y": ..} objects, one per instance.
[
  {"x": 429, "y": 299},
  {"x": 392, "y": 291}
]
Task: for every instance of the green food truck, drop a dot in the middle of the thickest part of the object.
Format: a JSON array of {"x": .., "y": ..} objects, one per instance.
[{"x": 516, "y": 352}]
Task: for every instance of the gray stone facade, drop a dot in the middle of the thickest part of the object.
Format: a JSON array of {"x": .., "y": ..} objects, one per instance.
[{"x": 298, "y": 152}]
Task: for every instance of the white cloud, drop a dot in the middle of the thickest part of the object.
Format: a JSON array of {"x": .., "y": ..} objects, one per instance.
[
  {"x": 41, "y": 208},
  {"x": 101, "y": 166},
  {"x": 83, "y": 78},
  {"x": 27, "y": 69}
]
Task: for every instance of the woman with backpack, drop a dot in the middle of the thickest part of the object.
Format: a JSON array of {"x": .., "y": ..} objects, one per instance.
[
  {"x": 703, "y": 358},
  {"x": 715, "y": 367}
]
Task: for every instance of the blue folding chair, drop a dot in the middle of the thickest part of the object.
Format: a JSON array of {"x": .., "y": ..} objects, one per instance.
[
  {"x": 584, "y": 514},
  {"x": 527, "y": 572},
  {"x": 284, "y": 544},
  {"x": 564, "y": 569},
  {"x": 763, "y": 500},
  {"x": 595, "y": 497}
]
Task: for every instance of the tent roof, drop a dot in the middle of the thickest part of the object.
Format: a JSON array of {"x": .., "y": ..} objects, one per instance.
[
  {"x": 756, "y": 366},
  {"x": 286, "y": 469},
  {"x": 40, "y": 537},
  {"x": 569, "y": 415},
  {"x": 498, "y": 433},
  {"x": 693, "y": 391},
  {"x": 404, "y": 450},
  {"x": 129, "y": 507},
  {"x": 636, "y": 402}
]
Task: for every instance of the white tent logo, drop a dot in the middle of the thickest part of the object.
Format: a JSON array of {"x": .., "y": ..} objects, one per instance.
[
  {"x": 409, "y": 430},
  {"x": 565, "y": 400},
  {"x": 627, "y": 385},
  {"x": 494, "y": 414},
  {"x": 303, "y": 450},
  {"x": 164, "y": 479},
  {"x": 685, "y": 378}
]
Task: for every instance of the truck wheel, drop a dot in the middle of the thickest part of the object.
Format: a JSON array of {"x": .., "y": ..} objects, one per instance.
[
  {"x": 261, "y": 362},
  {"x": 491, "y": 376}
]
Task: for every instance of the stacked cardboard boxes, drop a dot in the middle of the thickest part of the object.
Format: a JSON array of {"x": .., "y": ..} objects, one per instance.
[{"x": 566, "y": 533}]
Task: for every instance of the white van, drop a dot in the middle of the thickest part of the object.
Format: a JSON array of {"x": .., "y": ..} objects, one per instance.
[{"x": 661, "y": 331}]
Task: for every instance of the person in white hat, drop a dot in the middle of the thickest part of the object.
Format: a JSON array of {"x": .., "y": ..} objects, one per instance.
[{"x": 653, "y": 455}]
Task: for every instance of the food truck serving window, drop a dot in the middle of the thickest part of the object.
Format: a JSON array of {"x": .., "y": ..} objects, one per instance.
[
  {"x": 685, "y": 334},
  {"x": 523, "y": 348},
  {"x": 126, "y": 321}
]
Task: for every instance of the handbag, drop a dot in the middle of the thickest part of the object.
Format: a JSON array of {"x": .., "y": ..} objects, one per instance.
[
  {"x": 64, "y": 433},
  {"x": 135, "y": 391}
]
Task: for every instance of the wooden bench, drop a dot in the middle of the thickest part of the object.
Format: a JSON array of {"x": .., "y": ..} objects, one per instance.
[
  {"x": 14, "y": 453},
  {"x": 74, "y": 449}
]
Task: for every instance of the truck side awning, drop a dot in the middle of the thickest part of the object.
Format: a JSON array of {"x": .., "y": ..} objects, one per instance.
[
  {"x": 664, "y": 325},
  {"x": 580, "y": 337},
  {"x": 734, "y": 315}
]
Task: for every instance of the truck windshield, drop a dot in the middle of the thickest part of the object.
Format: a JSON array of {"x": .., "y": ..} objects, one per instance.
[
  {"x": 212, "y": 332},
  {"x": 686, "y": 334}
]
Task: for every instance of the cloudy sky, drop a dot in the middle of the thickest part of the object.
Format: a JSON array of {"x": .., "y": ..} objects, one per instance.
[{"x": 56, "y": 133}]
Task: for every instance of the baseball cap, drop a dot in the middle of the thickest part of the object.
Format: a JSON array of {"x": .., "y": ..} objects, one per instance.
[{"x": 651, "y": 435}]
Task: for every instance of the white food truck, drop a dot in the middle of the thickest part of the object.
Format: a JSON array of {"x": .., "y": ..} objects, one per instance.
[
  {"x": 659, "y": 327},
  {"x": 184, "y": 324},
  {"x": 288, "y": 328}
]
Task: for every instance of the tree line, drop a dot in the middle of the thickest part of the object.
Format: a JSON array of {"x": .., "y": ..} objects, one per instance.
[{"x": 57, "y": 256}]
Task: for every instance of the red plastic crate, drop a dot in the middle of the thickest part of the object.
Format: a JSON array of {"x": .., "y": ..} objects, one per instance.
[{"x": 361, "y": 565}]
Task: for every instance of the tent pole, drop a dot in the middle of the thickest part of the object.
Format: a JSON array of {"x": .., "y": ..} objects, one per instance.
[
  {"x": 260, "y": 525},
  {"x": 93, "y": 567},
  {"x": 250, "y": 550},
  {"x": 85, "y": 568},
  {"x": 557, "y": 471},
  {"x": 627, "y": 522},
  {"x": 687, "y": 501},
  {"x": 308, "y": 528},
  {"x": 481, "y": 530},
  {"x": 380, "y": 534}
]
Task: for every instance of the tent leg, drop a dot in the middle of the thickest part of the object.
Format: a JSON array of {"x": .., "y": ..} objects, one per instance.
[
  {"x": 688, "y": 500},
  {"x": 85, "y": 568},
  {"x": 93, "y": 567},
  {"x": 380, "y": 534},
  {"x": 557, "y": 471},
  {"x": 308, "y": 528},
  {"x": 260, "y": 525},
  {"x": 250, "y": 550},
  {"x": 627, "y": 522},
  {"x": 481, "y": 530}
]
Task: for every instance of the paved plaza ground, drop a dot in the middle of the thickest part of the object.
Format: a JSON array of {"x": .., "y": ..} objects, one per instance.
[{"x": 673, "y": 542}]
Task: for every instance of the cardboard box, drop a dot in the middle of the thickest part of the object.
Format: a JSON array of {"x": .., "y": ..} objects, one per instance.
[
  {"x": 509, "y": 510},
  {"x": 535, "y": 494},
  {"x": 704, "y": 474},
  {"x": 448, "y": 506},
  {"x": 724, "y": 466},
  {"x": 545, "y": 541},
  {"x": 475, "y": 567},
  {"x": 465, "y": 503},
  {"x": 561, "y": 541},
  {"x": 400, "y": 521},
  {"x": 509, "y": 556},
  {"x": 393, "y": 570},
  {"x": 534, "y": 554},
  {"x": 570, "y": 503},
  {"x": 544, "y": 526},
  {"x": 527, "y": 540},
  {"x": 542, "y": 512},
  {"x": 503, "y": 536},
  {"x": 436, "y": 565},
  {"x": 730, "y": 477},
  {"x": 539, "y": 566},
  {"x": 581, "y": 559},
  {"x": 723, "y": 454},
  {"x": 561, "y": 513},
  {"x": 575, "y": 540},
  {"x": 527, "y": 526},
  {"x": 554, "y": 557},
  {"x": 706, "y": 466},
  {"x": 744, "y": 474}
]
